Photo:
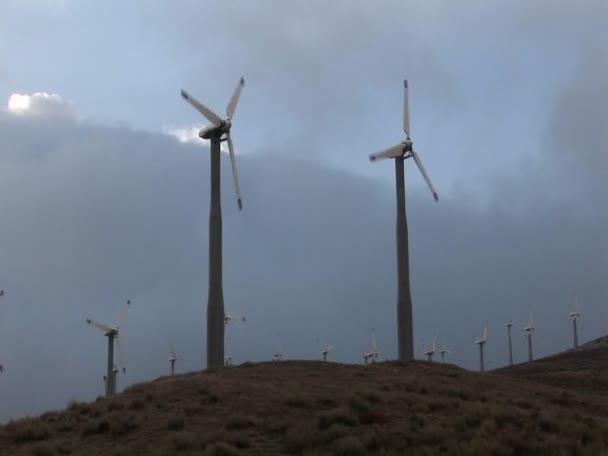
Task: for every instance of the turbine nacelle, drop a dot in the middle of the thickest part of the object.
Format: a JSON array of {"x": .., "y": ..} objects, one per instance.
[
  {"x": 574, "y": 315},
  {"x": 222, "y": 129}
]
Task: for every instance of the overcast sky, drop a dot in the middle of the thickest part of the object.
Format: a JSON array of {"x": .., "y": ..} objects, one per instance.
[{"x": 104, "y": 193}]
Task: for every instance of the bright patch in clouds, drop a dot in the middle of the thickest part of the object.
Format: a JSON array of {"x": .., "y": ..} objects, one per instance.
[
  {"x": 41, "y": 104},
  {"x": 190, "y": 135}
]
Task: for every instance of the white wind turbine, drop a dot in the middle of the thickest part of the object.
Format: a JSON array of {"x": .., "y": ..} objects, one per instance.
[
  {"x": 444, "y": 351},
  {"x": 278, "y": 355},
  {"x": 325, "y": 349},
  {"x": 113, "y": 333},
  {"x": 400, "y": 152},
  {"x": 574, "y": 316},
  {"x": 481, "y": 342},
  {"x": 372, "y": 355},
  {"x": 173, "y": 359},
  {"x": 217, "y": 132},
  {"x": 508, "y": 325},
  {"x": 529, "y": 330},
  {"x": 430, "y": 352}
]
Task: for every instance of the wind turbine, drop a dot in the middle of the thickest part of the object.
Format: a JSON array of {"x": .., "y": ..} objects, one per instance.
[
  {"x": 481, "y": 342},
  {"x": 529, "y": 330},
  {"x": 508, "y": 325},
  {"x": 229, "y": 317},
  {"x": 113, "y": 333},
  {"x": 172, "y": 360},
  {"x": 443, "y": 352},
  {"x": 227, "y": 360},
  {"x": 326, "y": 351},
  {"x": 218, "y": 131},
  {"x": 400, "y": 152},
  {"x": 371, "y": 355},
  {"x": 278, "y": 355},
  {"x": 429, "y": 353},
  {"x": 574, "y": 316}
]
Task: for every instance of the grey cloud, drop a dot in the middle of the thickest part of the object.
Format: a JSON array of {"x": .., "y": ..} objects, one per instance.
[{"x": 93, "y": 216}]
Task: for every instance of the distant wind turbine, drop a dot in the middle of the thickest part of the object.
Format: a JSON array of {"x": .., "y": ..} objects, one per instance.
[
  {"x": 218, "y": 131},
  {"x": 529, "y": 330},
  {"x": 372, "y": 355},
  {"x": 172, "y": 360},
  {"x": 481, "y": 342},
  {"x": 574, "y": 316},
  {"x": 400, "y": 152},
  {"x": 1, "y": 296},
  {"x": 113, "y": 333},
  {"x": 508, "y": 325},
  {"x": 444, "y": 351},
  {"x": 430, "y": 352}
]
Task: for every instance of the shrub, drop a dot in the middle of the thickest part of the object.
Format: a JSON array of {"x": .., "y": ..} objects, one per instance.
[
  {"x": 238, "y": 422},
  {"x": 183, "y": 441},
  {"x": 29, "y": 432},
  {"x": 372, "y": 417},
  {"x": 115, "y": 405},
  {"x": 349, "y": 446},
  {"x": 359, "y": 404},
  {"x": 43, "y": 449},
  {"x": 176, "y": 423},
  {"x": 297, "y": 402},
  {"x": 137, "y": 404},
  {"x": 221, "y": 449},
  {"x": 342, "y": 416},
  {"x": 121, "y": 426}
]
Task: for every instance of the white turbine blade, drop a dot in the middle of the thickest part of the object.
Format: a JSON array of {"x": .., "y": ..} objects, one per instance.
[
  {"x": 434, "y": 342},
  {"x": 391, "y": 152},
  {"x": 234, "y": 100},
  {"x": 235, "y": 176},
  {"x": 416, "y": 158},
  {"x": 406, "y": 109},
  {"x": 204, "y": 110},
  {"x": 576, "y": 307},
  {"x": 173, "y": 352},
  {"x": 485, "y": 333},
  {"x": 374, "y": 347},
  {"x": 122, "y": 317},
  {"x": 101, "y": 326}
]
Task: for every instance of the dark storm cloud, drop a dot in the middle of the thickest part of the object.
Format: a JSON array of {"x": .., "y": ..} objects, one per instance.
[{"x": 94, "y": 216}]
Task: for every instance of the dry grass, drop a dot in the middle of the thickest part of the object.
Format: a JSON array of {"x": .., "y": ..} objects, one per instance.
[{"x": 333, "y": 409}]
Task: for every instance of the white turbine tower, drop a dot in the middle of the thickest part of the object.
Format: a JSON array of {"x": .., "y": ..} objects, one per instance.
[
  {"x": 400, "y": 152},
  {"x": 508, "y": 325},
  {"x": 173, "y": 359},
  {"x": 431, "y": 352},
  {"x": 529, "y": 330},
  {"x": 113, "y": 333},
  {"x": 574, "y": 316},
  {"x": 218, "y": 131},
  {"x": 278, "y": 355},
  {"x": 444, "y": 351},
  {"x": 372, "y": 355},
  {"x": 481, "y": 342}
]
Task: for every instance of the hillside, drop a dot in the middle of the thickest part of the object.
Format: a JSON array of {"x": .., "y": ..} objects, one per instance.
[
  {"x": 323, "y": 408},
  {"x": 584, "y": 370}
]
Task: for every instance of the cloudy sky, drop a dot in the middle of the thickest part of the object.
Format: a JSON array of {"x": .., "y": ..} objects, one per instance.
[{"x": 104, "y": 190}]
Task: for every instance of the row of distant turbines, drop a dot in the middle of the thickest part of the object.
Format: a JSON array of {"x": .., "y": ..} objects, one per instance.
[{"x": 528, "y": 333}]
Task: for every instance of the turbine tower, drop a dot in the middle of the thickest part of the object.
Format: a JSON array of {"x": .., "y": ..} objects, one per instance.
[
  {"x": 400, "y": 152},
  {"x": 481, "y": 342},
  {"x": 429, "y": 353},
  {"x": 172, "y": 360},
  {"x": 443, "y": 352},
  {"x": 372, "y": 355},
  {"x": 218, "y": 131},
  {"x": 529, "y": 330},
  {"x": 508, "y": 325},
  {"x": 113, "y": 333},
  {"x": 574, "y": 316},
  {"x": 326, "y": 351}
]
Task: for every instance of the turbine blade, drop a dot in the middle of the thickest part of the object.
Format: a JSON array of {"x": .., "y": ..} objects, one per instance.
[
  {"x": 416, "y": 158},
  {"x": 204, "y": 110},
  {"x": 485, "y": 332},
  {"x": 98, "y": 325},
  {"x": 122, "y": 317},
  {"x": 391, "y": 152},
  {"x": 406, "y": 109},
  {"x": 234, "y": 100},
  {"x": 434, "y": 342},
  {"x": 235, "y": 176},
  {"x": 576, "y": 307},
  {"x": 374, "y": 346}
]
